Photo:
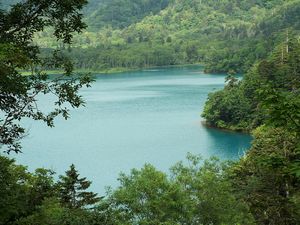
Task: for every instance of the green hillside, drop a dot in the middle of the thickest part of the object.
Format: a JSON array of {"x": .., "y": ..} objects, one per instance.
[
  {"x": 225, "y": 35},
  {"x": 122, "y": 13}
]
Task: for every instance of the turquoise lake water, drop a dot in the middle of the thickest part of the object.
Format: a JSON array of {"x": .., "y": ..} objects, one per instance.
[{"x": 150, "y": 116}]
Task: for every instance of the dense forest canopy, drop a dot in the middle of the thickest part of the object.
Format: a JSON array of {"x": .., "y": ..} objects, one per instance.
[
  {"x": 134, "y": 34},
  {"x": 122, "y": 13}
]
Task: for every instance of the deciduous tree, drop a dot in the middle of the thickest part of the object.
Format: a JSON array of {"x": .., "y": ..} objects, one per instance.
[{"x": 19, "y": 94}]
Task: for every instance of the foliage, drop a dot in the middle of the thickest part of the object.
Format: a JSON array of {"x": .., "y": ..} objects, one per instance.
[
  {"x": 279, "y": 93},
  {"x": 228, "y": 108},
  {"x": 269, "y": 93},
  {"x": 148, "y": 197},
  {"x": 51, "y": 212},
  {"x": 268, "y": 177},
  {"x": 72, "y": 190},
  {"x": 196, "y": 193},
  {"x": 210, "y": 196},
  {"x": 223, "y": 35},
  {"x": 121, "y": 13},
  {"x": 261, "y": 188},
  {"x": 19, "y": 94},
  {"x": 21, "y": 191},
  {"x": 35, "y": 198}
]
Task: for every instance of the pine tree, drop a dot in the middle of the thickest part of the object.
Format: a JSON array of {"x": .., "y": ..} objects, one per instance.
[{"x": 72, "y": 190}]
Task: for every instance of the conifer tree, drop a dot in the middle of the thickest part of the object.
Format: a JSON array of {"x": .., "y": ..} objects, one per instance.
[{"x": 72, "y": 190}]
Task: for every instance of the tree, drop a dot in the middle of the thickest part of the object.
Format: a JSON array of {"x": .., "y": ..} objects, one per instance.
[
  {"x": 268, "y": 177},
  {"x": 51, "y": 212},
  {"x": 279, "y": 92},
  {"x": 33, "y": 198},
  {"x": 72, "y": 190},
  {"x": 12, "y": 191},
  {"x": 269, "y": 93},
  {"x": 22, "y": 192},
  {"x": 197, "y": 193},
  {"x": 211, "y": 198},
  {"x": 19, "y": 94},
  {"x": 42, "y": 186},
  {"x": 146, "y": 196}
]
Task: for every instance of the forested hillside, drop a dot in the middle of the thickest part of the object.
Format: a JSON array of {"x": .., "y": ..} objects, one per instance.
[
  {"x": 267, "y": 104},
  {"x": 224, "y": 35},
  {"x": 121, "y": 13},
  {"x": 241, "y": 104}
]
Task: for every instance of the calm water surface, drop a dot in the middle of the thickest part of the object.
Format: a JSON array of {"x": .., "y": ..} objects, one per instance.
[{"x": 150, "y": 116}]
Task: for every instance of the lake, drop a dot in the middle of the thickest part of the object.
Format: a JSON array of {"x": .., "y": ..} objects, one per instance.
[{"x": 150, "y": 116}]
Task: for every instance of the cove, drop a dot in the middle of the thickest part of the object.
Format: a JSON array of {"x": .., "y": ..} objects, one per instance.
[{"x": 150, "y": 116}]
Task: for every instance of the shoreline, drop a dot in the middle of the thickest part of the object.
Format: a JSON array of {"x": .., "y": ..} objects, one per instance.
[
  {"x": 205, "y": 124},
  {"x": 116, "y": 70}
]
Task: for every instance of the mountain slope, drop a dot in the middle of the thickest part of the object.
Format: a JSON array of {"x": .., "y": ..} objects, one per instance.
[
  {"x": 122, "y": 13},
  {"x": 224, "y": 35}
]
